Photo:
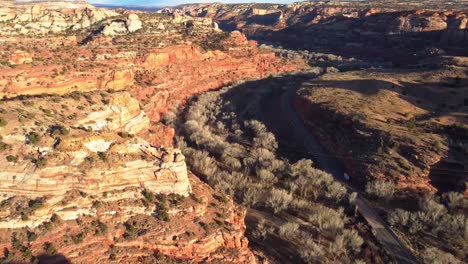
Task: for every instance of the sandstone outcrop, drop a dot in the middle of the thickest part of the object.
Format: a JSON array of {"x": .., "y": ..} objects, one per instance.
[
  {"x": 61, "y": 179},
  {"x": 66, "y": 169},
  {"x": 58, "y": 17},
  {"x": 119, "y": 27},
  {"x": 95, "y": 162},
  {"x": 122, "y": 113},
  {"x": 133, "y": 23},
  {"x": 221, "y": 240},
  {"x": 45, "y": 17},
  {"x": 35, "y": 83}
]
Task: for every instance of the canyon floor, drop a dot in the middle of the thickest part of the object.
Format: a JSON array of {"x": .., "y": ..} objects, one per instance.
[{"x": 247, "y": 133}]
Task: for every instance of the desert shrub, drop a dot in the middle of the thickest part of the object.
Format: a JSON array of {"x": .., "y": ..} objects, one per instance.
[
  {"x": 260, "y": 231},
  {"x": 149, "y": 196},
  {"x": 231, "y": 162},
  {"x": 433, "y": 210},
  {"x": 261, "y": 156},
  {"x": 252, "y": 196},
  {"x": 59, "y": 130},
  {"x": 267, "y": 177},
  {"x": 347, "y": 241},
  {"x": 455, "y": 200},
  {"x": 352, "y": 197},
  {"x": 279, "y": 200},
  {"x": 432, "y": 218},
  {"x": 303, "y": 167},
  {"x": 101, "y": 228},
  {"x": 77, "y": 239},
  {"x": 352, "y": 240},
  {"x": 311, "y": 252},
  {"x": 123, "y": 134},
  {"x": 130, "y": 229},
  {"x": 50, "y": 249},
  {"x": 170, "y": 118},
  {"x": 3, "y": 122},
  {"x": 40, "y": 162},
  {"x": 103, "y": 156},
  {"x": 381, "y": 189},
  {"x": 31, "y": 236},
  {"x": 75, "y": 95},
  {"x": 48, "y": 112},
  {"x": 329, "y": 220},
  {"x": 399, "y": 217},
  {"x": 336, "y": 191},
  {"x": 35, "y": 204},
  {"x": 313, "y": 183},
  {"x": 33, "y": 138},
  {"x": 203, "y": 163},
  {"x": 221, "y": 198},
  {"x": 289, "y": 230},
  {"x": 3, "y": 146},
  {"x": 162, "y": 212},
  {"x": 433, "y": 255}
]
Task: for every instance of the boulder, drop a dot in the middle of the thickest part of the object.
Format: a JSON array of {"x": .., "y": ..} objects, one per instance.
[{"x": 134, "y": 23}]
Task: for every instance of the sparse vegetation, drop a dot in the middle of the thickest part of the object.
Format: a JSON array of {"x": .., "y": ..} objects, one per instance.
[
  {"x": 3, "y": 146},
  {"x": 225, "y": 142},
  {"x": 381, "y": 189},
  {"x": 33, "y": 138},
  {"x": 50, "y": 249},
  {"x": 59, "y": 130},
  {"x": 3, "y": 122},
  {"x": 434, "y": 220},
  {"x": 40, "y": 162},
  {"x": 11, "y": 158}
]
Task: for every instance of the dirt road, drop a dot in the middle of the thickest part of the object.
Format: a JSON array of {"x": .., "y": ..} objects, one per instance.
[{"x": 332, "y": 165}]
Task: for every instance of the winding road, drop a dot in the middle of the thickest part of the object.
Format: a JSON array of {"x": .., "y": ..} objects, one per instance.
[{"x": 332, "y": 165}]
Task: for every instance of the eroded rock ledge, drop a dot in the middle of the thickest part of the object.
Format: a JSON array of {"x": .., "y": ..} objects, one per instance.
[{"x": 88, "y": 181}]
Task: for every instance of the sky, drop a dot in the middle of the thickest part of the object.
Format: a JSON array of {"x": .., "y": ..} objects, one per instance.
[{"x": 178, "y": 2}]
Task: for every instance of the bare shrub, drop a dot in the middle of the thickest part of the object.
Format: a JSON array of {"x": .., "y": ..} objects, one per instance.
[
  {"x": 252, "y": 196},
  {"x": 266, "y": 140},
  {"x": 336, "y": 191},
  {"x": 203, "y": 163},
  {"x": 262, "y": 155},
  {"x": 432, "y": 210},
  {"x": 170, "y": 118},
  {"x": 381, "y": 189},
  {"x": 191, "y": 127},
  {"x": 313, "y": 183},
  {"x": 399, "y": 217},
  {"x": 455, "y": 200},
  {"x": 288, "y": 230},
  {"x": 303, "y": 167},
  {"x": 311, "y": 251},
  {"x": 435, "y": 256},
  {"x": 279, "y": 200},
  {"x": 266, "y": 177},
  {"x": 328, "y": 220},
  {"x": 260, "y": 232},
  {"x": 352, "y": 197},
  {"x": 235, "y": 150},
  {"x": 353, "y": 240},
  {"x": 231, "y": 162}
]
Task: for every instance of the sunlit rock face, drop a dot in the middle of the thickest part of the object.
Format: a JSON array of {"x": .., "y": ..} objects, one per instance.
[{"x": 41, "y": 18}]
